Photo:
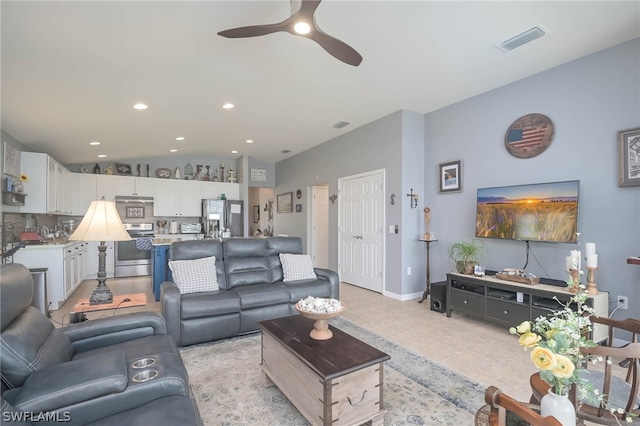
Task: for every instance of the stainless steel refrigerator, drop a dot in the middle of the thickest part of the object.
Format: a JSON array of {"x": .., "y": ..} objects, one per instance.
[{"x": 219, "y": 215}]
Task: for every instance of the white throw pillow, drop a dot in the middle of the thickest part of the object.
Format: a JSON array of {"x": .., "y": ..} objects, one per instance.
[
  {"x": 297, "y": 267},
  {"x": 195, "y": 276}
]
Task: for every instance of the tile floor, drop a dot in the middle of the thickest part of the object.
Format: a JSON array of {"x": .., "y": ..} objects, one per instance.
[{"x": 480, "y": 350}]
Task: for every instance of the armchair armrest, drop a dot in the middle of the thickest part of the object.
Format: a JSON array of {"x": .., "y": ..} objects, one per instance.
[
  {"x": 170, "y": 305},
  {"x": 333, "y": 278},
  {"x": 108, "y": 331},
  {"x": 69, "y": 383}
]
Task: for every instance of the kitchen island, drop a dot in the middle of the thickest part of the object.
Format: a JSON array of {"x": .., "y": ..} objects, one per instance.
[{"x": 160, "y": 255}]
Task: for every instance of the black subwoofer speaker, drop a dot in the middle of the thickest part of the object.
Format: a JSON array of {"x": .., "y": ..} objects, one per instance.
[{"x": 438, "y": 296}]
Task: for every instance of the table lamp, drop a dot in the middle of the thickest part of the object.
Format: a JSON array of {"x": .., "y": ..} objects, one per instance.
[{"x": 101, "y": 223}]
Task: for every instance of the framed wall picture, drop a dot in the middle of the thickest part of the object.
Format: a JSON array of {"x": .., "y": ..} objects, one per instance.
[
  {"x": 629, "y": 157},
  {"x": 450, "y": 177},
  {"x": 123, "y": 169},
  {"x": 256, "y": 214},
  {"x": 298, "y": 208},
  {"x": 285, "y": 202},
  {"x": 11, "y": 164}
]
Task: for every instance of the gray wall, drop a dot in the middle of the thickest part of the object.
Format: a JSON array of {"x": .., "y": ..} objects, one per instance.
[{"x": 588, "y": 100}]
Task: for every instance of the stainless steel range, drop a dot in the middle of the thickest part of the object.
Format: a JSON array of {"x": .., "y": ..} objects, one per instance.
[{"x": 133, "y": 258}]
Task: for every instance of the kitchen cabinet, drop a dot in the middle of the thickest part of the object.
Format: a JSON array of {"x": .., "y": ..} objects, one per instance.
[
  {"x": 210, "y": 190},
  {"x": 66, "y": 267},
  {"x": 86, "y": 184},
  {"x": 138, "y": 186},
  {"x": 106, "y": 187},
  {"x": 49, "y": 187},
  {"x": 75, "y": 258},
  {"x": 177, "y": 198}
]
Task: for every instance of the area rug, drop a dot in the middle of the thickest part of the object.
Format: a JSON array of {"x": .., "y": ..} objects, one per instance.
[{"x": 226, "y": 382}]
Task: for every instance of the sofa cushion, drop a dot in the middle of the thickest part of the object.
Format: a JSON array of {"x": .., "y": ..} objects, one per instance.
[
  {"x": 300, "y": 289},
  {"x": 260, "y": 295},
  {"x": 195, "y": 276},
  {"x": 245, "y": 262},
  {"x": 277, "y": 245},
  {"x": 297, "y": 267},
  {"x": 197, "y": 249},
  {"x": 209, "y": 304}
]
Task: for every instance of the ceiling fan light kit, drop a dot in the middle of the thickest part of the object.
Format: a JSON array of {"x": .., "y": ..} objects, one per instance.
[{"x": 301, "y": 23}]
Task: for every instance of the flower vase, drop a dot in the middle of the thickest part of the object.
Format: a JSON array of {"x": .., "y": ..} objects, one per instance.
[{"x": 558, "y": 406}]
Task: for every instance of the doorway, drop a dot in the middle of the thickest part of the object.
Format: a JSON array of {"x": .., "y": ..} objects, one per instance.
[
  {"x": 320, "y": 225},
  {"x": 361, "y": 242}
]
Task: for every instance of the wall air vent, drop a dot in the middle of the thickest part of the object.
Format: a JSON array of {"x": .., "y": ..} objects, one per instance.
[
  {"x": 340, "y": 124},
  {"x": 522, "y": 38}
]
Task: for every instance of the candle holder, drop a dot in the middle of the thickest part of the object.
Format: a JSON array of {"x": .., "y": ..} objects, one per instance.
[
  {"x": 575, "y": 275},
  {"x": 592, "y": 287}
]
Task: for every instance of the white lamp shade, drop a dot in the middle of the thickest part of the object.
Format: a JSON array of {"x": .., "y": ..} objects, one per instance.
[{"x": 101, "y": 223}]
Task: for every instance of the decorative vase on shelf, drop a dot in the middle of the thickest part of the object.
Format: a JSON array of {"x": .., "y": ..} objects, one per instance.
[{"x": 558, "y": 406}]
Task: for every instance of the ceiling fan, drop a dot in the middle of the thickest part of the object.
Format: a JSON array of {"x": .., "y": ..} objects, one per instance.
[{"x": 301, "y": 23}]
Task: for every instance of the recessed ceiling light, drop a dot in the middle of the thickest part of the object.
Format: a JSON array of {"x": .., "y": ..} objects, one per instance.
[
  {"x": 180, "y": 138},
  {"x": 227, "y": 106},
  {"x": 234, "y": 152},
  {"x": 140, "y": 106},
  {"x": 102, "y": 155},
  {"x": 94, "y": 143},
  {"x": 249, "y": 141},
  {"x": 285, "y": 151},
  {"x": 302, "y": 28},
  {"x": 173, "y": 150}
]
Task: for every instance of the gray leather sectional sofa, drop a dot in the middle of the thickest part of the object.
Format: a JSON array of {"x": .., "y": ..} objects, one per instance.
[
  {"x": 89, "y": 373},
  {"x": 252, "y": 289}
]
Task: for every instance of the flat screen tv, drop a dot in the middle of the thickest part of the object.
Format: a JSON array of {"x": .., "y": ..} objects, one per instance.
[{"x": 533, "y": 212}]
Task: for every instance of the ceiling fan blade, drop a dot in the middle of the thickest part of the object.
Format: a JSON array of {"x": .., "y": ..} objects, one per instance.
[
  {"x": 335, "y": 47},
  {"x": 253, "y": 30},
  {"x": 308, "y": 7}
]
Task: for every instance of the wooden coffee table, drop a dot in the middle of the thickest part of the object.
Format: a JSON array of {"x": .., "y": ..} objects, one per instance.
[{"x": 331, "y": 382}]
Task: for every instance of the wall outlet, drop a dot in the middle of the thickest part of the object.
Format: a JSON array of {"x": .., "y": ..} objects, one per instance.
[
  {"x": 623, "y": 302},
  {"x": 408, "y": 270}
]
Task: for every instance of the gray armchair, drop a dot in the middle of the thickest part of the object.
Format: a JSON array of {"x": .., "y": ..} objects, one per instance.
[{"x": 87, "y": 372}]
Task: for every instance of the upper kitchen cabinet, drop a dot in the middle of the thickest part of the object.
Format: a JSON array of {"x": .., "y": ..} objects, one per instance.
[
  {"x": 210, "y": 190},
  {"x": 50, "y": 186},
  {"x": 177, "y": 198},
  {"x": 86, "y": 191},
  {"x": 106, "y": 187},
  {"x": 138, "y": 186}
]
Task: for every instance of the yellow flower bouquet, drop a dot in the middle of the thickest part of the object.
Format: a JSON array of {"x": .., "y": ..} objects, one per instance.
[{"x": 555, "y": 343}]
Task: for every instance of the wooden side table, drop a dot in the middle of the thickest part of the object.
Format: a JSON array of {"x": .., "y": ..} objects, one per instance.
[{"x": 428, "y": 289}]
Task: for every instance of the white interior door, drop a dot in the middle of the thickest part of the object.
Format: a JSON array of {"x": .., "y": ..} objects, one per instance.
[
  {"x": 360, "y": 230},
  {"x": 320, "y": 226}
]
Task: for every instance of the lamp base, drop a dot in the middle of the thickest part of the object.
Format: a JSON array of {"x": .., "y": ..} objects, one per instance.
[{"x": 101, "y": 294}]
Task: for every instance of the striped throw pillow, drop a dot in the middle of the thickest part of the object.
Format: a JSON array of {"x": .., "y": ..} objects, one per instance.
[
  {"x": 297, "y": 267},
  {"x": 195, "y": 276}
]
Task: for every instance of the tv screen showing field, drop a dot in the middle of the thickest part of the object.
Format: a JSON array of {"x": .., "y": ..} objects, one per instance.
[{"x": 538, "y": 212}]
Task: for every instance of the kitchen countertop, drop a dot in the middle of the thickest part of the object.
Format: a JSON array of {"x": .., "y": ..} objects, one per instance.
[
  {"x": 167, "y": 239},
  {"x": 51, "y": 243}
]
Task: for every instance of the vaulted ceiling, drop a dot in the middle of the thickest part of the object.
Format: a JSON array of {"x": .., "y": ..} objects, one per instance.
[{"x": 72, "y": 71}]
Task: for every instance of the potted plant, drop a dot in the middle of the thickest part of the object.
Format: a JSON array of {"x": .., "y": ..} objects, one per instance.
[{"x": 465, "y": 255}]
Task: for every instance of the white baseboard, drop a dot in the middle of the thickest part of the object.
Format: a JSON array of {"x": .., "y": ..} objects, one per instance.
[{"x": 402, "y": 297}]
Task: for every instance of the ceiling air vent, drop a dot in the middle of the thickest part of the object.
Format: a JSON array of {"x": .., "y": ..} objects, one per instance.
[
  {"x": 340, "y": 124},
  {"x": 522, "y": 38}
]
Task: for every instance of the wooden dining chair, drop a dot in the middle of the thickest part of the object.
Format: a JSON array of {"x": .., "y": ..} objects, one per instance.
[
  {"x": 618, "y": 392},
  {"x": 499, "y": 404}
]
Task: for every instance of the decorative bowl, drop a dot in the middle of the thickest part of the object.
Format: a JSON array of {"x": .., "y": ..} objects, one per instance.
[{"x": 321, "y": 326}]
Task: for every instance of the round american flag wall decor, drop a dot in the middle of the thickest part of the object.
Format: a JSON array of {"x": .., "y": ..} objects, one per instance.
[{"x": 529, "y": 135}]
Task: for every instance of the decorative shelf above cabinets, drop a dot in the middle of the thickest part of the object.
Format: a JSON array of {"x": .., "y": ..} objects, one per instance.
[{"x": 13, "y": 198}]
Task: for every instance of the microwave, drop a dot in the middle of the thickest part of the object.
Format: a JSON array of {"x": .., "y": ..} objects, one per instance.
[{"x": 190, "y": 228}]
